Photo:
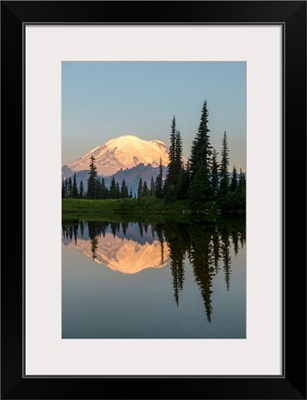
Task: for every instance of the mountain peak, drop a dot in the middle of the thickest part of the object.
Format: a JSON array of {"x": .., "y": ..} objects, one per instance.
[{"x": 123, "y": 152}]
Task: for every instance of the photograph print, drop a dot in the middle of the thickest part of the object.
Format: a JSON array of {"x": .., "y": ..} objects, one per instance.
[{"x": 153, "y": 200}]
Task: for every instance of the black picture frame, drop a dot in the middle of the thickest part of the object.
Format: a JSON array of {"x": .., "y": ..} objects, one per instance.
[{"x": 292, "y": 15}]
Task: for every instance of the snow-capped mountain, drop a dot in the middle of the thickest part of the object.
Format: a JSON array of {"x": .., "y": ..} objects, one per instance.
[
  {"x": 121, "y": 153},
  {"x": 121, "y": 254}
]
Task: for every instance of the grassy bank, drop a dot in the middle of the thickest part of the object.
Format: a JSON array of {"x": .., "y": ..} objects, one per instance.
[
  {"x": 139, "y": 209},
  {"x": 93, "y": 208}
]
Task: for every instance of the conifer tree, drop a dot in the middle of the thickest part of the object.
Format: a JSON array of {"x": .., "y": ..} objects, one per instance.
[
  {"x": 175, "y": 165},
  {"x": 184, "y": 182},
  {"x": 201, "y": 152},
  {"x": 117, "y": 191},
  {"x": 124, "y": 189},
  {"x": 63, "y": 189},
  {"x": 242, "y": 182},
  {"x": 81, "y": 189},
  {"x": 66, "y": 188},
  {"x": 75, "y": 193},
  {"x": 159, "y": 179},
  {"x": 234, "y": 180},
  {"x": 104, "y": 189},
  {"x": 214, "y": 175},
  {"x": 152, "y": 186},
  {"x": 224, "y": 179},
  {"x": 140, "y": 188},
  {"x": 198, "y": 193},
  {"x": 145, "y": 190},
  {"x": 171, "y": 176},
  {"x": 201, "y": 149},
  {"x": 113, "y": 189},
  {"x": 92, "y": 182},
  {"x": 69, "y": 187}
]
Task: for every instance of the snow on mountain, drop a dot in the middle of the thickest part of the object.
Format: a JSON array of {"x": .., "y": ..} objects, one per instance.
[
  {"x": 121, "y": 153},
  {"x": 124, "y": 255}
]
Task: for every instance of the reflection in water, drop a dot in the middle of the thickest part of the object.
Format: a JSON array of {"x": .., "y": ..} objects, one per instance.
[{"x": 132, "y": 247}]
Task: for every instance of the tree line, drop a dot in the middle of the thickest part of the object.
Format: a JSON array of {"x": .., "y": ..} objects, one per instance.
[{"x": 96, "y": 188}]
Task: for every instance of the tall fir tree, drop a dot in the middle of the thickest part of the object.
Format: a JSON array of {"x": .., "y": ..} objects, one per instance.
[
  {"x": 201, "y": 148},
  {"x": 69, "y": 187},
  {"x": 104, "y": 189},
  {"x": 234, "y": 180},
  {"x": 63, "y": 188},
  {"x": 214, "y": 175},
  {"x": 159, "y": 180},
  {"x": 175, "y": 164},
  {"x": 124, "y": 190},
  {"x": 201, "y": 152},
  {"x": 242, "y": 182},
  {"x": 170, "y": 180},
  {"x": 145, "y": 190},
  {"x": 178, "y": 154},
  {"x": 152, "y": 187},
  {"x": 198, "y": 193},
  {"x": 113, "y": 189},
  {"x": 183, "y": 186},
  {"x": 66, "y": 188},
  {"x": 75, "y": 192},
  {"x": 92, "y": 182},
  {"x": 81, "y": 189},
  {"x": 224, "y": 178},
  {"x": 140, "y": 189},
  {"x": 117, "y": 191}
]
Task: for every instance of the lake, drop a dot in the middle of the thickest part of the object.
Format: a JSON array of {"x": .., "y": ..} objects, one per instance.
[{"x": 182, "y": 278}]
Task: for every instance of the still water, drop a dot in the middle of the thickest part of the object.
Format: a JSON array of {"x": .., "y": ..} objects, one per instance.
[{"x": 155, "y": 280}]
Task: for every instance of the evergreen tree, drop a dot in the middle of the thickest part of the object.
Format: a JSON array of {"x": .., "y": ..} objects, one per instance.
[
  {"x": 63, "y": 188},
  {"x": 159, "y": 179},
  {"x": 198, "y": 193},
  {"x": 224, "y": 179},
  {"x": 92, "y": 181},
  {"x": 113, "y": 189},
  {"x": 214, "y": 175},
  {"x": 130, "y": 194},
  {"x": 104, "y": 189},
  {"x": 69, "y": 187},
  {"x": 242, "y": 182},
  {"x": 124, "y": 190},
  {"x": 66, "y": 188},
  {"x": 183, "y": 186},
  {"x": 178, "y": 154},
  {"x": 201, "y": 148},
  {"x": 81, "y": 190},
  {"x": 75, "y": 193},
  {"x": 145, "y": 190},
  {"x": 175, "y": 165},
  {"x": 152, "y": 187},
  {"x": 234, "y": 180},
  {"x": 117, "y": 191},
  {"x": 140, "y": 188}
]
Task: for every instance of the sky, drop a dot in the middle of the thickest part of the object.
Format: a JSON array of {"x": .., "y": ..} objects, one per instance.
[{"x": 105, "y": 100}]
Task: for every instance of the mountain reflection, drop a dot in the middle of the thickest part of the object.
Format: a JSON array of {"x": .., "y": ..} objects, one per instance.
[
  {"x": 127, "y": 248},
  {"x": 204, "y": 246}
]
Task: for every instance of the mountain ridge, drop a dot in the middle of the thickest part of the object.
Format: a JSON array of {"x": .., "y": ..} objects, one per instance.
[{"x": 126, "y": 151}]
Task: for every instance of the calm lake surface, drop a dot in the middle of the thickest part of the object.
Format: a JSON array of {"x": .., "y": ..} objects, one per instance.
[{"x": 156, "y": 280}]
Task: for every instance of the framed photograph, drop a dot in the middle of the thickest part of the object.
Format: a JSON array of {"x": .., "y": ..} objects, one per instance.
[{"x": 161, "y": 163}]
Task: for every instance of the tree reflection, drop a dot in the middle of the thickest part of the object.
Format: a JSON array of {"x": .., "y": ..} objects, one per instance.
[{"x": 204, "y": 245}]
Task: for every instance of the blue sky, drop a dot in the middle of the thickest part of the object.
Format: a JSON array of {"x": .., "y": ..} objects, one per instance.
[{"x": 104, "y": 100}]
